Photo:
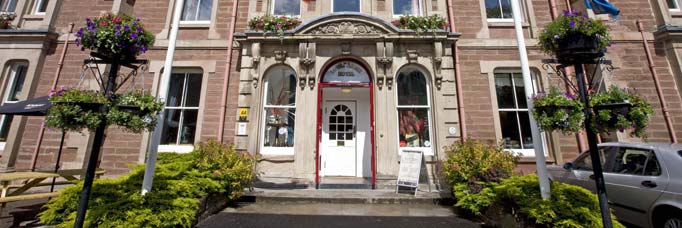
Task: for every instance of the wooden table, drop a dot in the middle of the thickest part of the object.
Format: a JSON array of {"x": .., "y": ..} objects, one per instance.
[{"x": 16, "y": 192}]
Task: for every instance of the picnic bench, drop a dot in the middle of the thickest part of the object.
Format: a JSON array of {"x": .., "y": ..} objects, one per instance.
[{"x": 13, "y": 190}]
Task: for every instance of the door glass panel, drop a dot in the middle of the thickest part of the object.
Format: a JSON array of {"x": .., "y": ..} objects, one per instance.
[
  {"x": 628, "y": 161},
  {"x": 652, "y": 167},
  {"x": 341, "y": 124}
]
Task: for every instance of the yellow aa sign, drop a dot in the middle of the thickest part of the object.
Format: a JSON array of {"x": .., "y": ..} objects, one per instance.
[{"x": 243, "y": 113}]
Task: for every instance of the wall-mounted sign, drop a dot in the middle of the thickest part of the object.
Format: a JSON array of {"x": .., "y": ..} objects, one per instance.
[
  {"x": 243, "y": 114},
  {"x": 241, "y": 128},
  {"x": 346, "y": 71}
]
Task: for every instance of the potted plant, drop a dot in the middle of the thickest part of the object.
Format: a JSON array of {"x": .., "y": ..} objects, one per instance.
[
  {"x": 116, "y": 37},
  {"x": 620, "y": 109},
  {"x": 6, "y": 20},
  {"x": 74, "y": 109},
  {"x": 558, "y": 111},
  {"x": 274, "y": 24},
  {"x": 574, "y": 38},
  {"x": 421, "y": 24},
  {"x": 135, "y": 111}
]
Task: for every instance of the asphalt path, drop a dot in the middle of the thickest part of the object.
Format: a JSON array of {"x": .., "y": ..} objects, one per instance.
[{"x": 255, "y": 220}]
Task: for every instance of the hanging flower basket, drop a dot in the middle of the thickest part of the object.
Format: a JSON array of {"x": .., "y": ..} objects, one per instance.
[
  {"x": 274, "y": 24},
  {"x": 135, "y": 111},
  {"x": 73, "y": 109},
  {"x": 6, "y": 20},
  {"x": 620, "y": 109},
  {"x": 558, "y": 111},
  {"x": 116, "y": 37},
  {"x": 421, "y": 24},
  {"x": 573, "y": 38}
]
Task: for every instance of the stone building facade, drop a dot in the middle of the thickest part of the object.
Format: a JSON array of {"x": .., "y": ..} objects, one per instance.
[{"x": 338, "y": 98}]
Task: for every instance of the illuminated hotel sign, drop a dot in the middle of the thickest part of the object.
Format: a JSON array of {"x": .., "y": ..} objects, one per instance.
[{"x": 346, "y": 71}]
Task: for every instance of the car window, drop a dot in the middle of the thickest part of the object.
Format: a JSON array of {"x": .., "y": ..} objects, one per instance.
[
  {"x": 635, "y": 161},
  {"x": 652, "y": 168},
  {"x": 679, "y": 153},
  {"x": 585, "y": 161}
]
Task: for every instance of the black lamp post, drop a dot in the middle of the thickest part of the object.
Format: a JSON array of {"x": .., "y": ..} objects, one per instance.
[
  {"x": 581, "y": 89},
  {"x": 110, "y": 87}
]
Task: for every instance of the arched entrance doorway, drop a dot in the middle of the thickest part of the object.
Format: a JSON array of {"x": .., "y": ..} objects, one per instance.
[{"x": 345, "y": 132}]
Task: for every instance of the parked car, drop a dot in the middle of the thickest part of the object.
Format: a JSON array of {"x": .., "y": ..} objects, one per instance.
[{"x": 643, "y": 181}]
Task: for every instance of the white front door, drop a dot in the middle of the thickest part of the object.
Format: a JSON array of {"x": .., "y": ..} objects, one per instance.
[{"x": 338, "y": 146}]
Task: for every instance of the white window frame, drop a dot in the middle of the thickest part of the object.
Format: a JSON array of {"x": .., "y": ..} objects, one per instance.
[
  {"x": 427, "y": 151},
  {"x": 37, "y": 4},
  {"x": 677, "y": 6},
  {"x": 359, "y": 7},
  {"x": 5, "y": 4},
  {"x": 11, "y": 87},
  {"x": 271, "y": 150},
  {"x": 419, "y": 10},
  {"x": 503, "y": 20},
  {"x": 177, "y": 147},
  {"x": 196, "y": 14},
  {"x": 543, "y": 138},
  {"x": 272, "y": 10}
]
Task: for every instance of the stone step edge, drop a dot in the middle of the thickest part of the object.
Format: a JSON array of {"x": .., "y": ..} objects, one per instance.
[{"x": 258, "y": 198}]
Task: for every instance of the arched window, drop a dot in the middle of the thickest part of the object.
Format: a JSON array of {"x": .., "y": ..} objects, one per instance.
[
  {"x": 414, "y": 110},
  {"x": 279, "y": 111}
]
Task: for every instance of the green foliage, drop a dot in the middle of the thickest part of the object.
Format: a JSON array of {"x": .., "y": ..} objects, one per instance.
[
  {"x": 569, "y": 206},
  {"x": 180, "y": 181},
  {"x": 557, "y": 111},
  {"x": 636, "y": 119},
  {"x": 142, "y": 116},
  {"x": 119, "y": 37},
  {"x": 474, "y": 201},
  {"x": 275, "y": 24},
  {"x": 570, "y": 23},
  {"x": 421, "y": 24},
  {"x": 473, "y": 162},
  {"x": 73, "y": 109}
]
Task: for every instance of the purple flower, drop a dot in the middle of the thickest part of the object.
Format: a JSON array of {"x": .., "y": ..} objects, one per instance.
[
  {"x": 572, "y": 24},
  {"x": 126, "y": 27},
  {"x": 143, "y": 49},
  {"x": 139, "y": 30},
  {"x": 621, "y": 129},
  {"x": 118, "y": 33},
  {"x": 133, "y": 36},
  {"x": 118, "y": 27},
  {"x": 569, "y": 96},
  {"x": 566, "y": 13},
  {"x": 78, "y": 42}
]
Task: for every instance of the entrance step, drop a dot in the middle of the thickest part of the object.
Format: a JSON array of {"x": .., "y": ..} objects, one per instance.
[
  {"x": 345, "y": 196},
  {"x": 345, "y": 183}
]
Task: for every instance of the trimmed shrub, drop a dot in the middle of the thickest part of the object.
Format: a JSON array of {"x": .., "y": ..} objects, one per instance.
[
  {"x": 569, "y": 206},
  {"x": 180, "y": 181}
]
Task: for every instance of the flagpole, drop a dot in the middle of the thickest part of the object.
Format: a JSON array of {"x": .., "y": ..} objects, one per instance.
[
  {"x": 540, "y": 162},
  {"x": 161, "y": 96}
]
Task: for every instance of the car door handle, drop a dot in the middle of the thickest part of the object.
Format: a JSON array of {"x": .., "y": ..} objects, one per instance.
[{"x": 649, "y": 184}]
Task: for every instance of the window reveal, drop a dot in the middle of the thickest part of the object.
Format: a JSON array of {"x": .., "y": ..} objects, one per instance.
[
  {"x": 182, "y": 108},
  {"x": 280, "y": 108},
  {"x": 286, "y": 7},
  {"x": 513, "y": 111},
  {"x": 413, "y": 109},
  {"x": 13, "y": 90},
  {"x": 197, "y": 10}
]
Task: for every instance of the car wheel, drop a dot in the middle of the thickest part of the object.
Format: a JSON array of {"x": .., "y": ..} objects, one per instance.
[{"x": 674, "y": 222}]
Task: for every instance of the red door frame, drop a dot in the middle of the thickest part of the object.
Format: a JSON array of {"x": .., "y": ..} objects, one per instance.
[{"x": 322, "y": 85}]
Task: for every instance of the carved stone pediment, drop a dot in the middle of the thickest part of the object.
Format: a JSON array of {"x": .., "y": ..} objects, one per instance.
[{"x": 347, "y": 27}]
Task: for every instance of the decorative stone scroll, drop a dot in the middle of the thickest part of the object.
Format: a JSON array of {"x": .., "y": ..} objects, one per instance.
[
  {"x": 438, "y": 62},
  {"x": 306, "y": 51},
  {"x": 347, "y": 27},
  {"x": 384, "y": 62}
]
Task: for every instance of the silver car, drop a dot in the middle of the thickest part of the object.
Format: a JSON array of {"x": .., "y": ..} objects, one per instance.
[{"x": 643, "y": 181}]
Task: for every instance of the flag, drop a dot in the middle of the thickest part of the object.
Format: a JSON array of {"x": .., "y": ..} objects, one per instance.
[{"x": 602, "y": 7}]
